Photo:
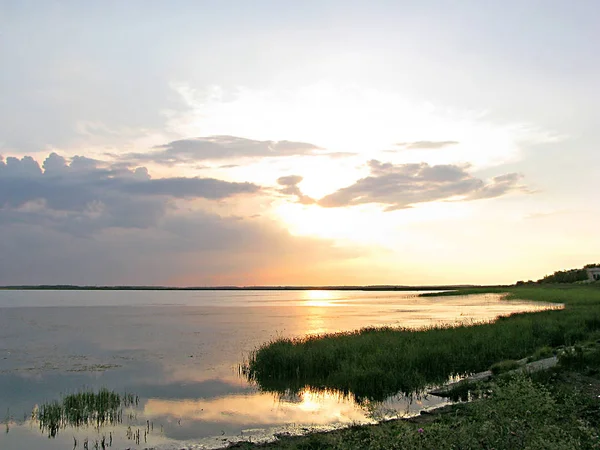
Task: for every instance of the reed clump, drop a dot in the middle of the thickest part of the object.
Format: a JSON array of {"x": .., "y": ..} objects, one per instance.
[{"x": 83, "y": 409}]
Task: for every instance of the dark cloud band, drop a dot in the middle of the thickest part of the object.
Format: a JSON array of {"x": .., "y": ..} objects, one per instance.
[{"x": 81, "y": 183}]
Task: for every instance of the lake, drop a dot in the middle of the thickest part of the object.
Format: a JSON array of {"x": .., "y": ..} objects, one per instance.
[{"x": 180, "y": 352}]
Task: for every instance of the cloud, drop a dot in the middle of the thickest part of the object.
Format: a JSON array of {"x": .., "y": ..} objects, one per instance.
[
  {"x": 84, "y": 186},
  {"x": 403, "y": 185},
  {"x": 290, "y": 187},
  {"x": 83, "y": 221},
  {"x": 219, "y": 148},
  {"x": 500, "y": 185},
  {"x": 426, "y": 144},
  {"x": 180, "y": 187},
  {"x": 290, "y": 180},
  {"x": 25, "y": 167}
]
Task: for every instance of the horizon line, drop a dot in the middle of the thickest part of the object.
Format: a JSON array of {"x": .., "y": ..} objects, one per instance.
[{"x": 380, "y": 287}]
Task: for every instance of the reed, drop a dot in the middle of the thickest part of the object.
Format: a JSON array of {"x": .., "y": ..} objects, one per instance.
[{"x": 82, "y": 409}]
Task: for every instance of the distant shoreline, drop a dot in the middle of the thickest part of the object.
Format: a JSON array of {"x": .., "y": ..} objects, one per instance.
[{"x": 59, "y": 287}]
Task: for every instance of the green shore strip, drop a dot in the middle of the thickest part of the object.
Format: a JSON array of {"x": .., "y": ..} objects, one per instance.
[{"x": 374, "y": 363}]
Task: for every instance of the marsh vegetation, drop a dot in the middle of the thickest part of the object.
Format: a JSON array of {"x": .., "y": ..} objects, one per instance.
[{"x": 375, "y": 363}]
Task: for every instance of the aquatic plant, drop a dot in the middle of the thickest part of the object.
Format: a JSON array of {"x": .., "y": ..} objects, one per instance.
[{"x": 82, "y": 409}]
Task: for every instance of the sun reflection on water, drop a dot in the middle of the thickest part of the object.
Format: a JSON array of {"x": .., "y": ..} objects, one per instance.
[
  {"x": 318, "y": 298},
  {"x": 309, "y": 402},
  {"x": 259, "y": 408}
]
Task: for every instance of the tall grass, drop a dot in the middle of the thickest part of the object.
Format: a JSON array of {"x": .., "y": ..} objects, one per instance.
[{"x": 374, "y": 363}]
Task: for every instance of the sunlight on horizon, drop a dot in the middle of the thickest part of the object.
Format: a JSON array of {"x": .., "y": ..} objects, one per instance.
[{"x": 318, "y": 298}]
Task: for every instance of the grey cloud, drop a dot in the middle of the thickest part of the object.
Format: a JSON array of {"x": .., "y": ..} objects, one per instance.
[
  {"x": 55, "y": 164},
  {"x": 83, "y": 163},
  {"x": 93, "y": 197},
  {"x": 228, "y": 166},
  {"x": 500, "y": 185},
  {"x": 443, "y": 173},
  {"x": 220, "y": 147},
  {"x": 15, "y": 167},
  {"x": 426, "y": 144},
  {"x": 403, "y": 185},
  {"x": 290, "y": 180},
  {"x": 208, "y": 188},
  {"x": 291, "y": 188}
]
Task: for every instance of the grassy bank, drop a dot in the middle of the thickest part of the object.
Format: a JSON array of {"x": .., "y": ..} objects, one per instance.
[{"x": 374, "y": 363}]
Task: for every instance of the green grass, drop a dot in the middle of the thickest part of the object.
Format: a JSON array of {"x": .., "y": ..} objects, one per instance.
[
  {"x": 374, "y": 363},
  {"x": 83, "y": 408}
]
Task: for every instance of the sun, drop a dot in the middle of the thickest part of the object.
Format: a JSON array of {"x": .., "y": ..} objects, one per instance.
[{"x": 357, "y": 225}]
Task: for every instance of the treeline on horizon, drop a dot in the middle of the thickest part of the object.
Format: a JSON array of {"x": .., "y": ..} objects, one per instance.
[
  {"x": 71, "y": 287},
  {"x": 564, "y": 276}
]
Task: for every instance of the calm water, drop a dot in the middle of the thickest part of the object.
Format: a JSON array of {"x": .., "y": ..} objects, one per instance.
[{"x": 180, "y": 353}]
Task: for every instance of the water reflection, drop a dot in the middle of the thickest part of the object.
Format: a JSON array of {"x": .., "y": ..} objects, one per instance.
[
  {"x": 25, "y": 435},
  {"x": 165, "y": 423},
  {"x": 179, "y": 351},
  {"x": 307, "y": 406}
]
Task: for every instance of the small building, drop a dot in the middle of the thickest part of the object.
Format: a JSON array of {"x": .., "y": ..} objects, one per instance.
[{"x": 593, "y": 273}]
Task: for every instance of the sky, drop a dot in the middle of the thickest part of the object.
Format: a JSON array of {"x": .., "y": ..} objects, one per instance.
[{"x": 330, "y": 142}]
